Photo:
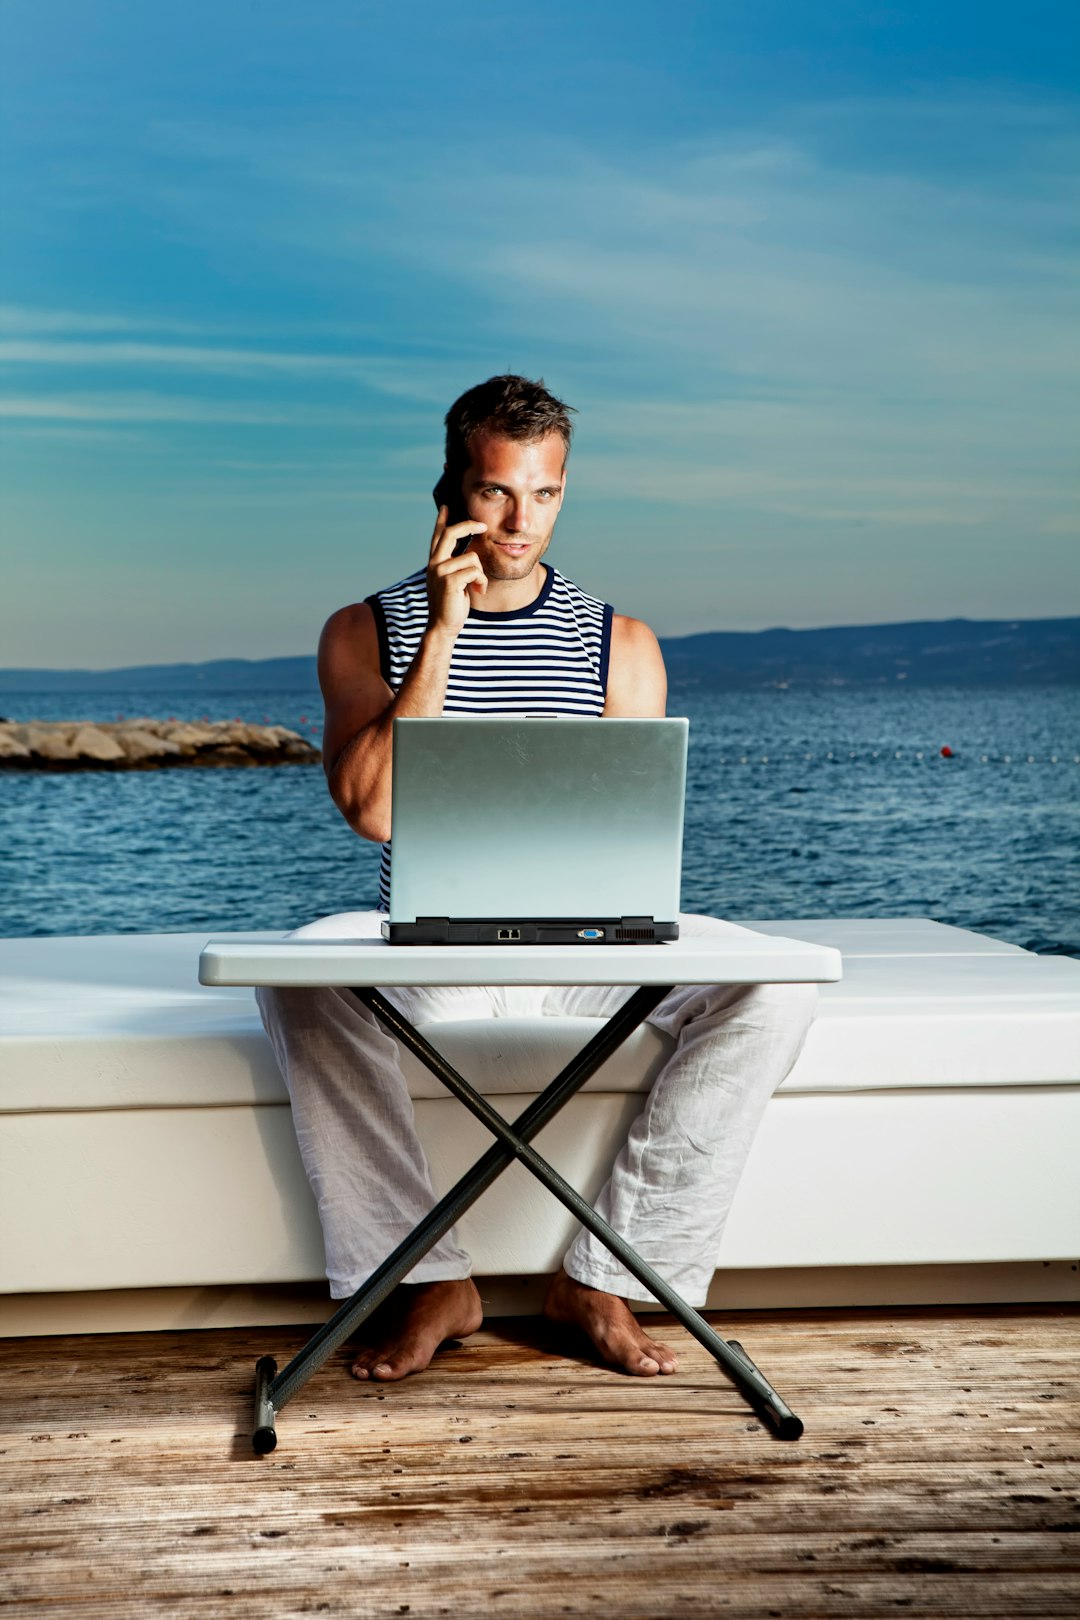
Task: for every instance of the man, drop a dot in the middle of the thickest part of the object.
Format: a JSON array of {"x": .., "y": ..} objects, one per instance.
[{"x": 487, "y": 627}]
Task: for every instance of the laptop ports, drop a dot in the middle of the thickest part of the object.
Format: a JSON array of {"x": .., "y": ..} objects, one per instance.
[
  {"x": 590, "y": 933},
  {"x": 509, "y": 933}
]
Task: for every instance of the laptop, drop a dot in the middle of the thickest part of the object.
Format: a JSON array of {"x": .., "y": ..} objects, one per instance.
[{"x": 522, "y": 830}]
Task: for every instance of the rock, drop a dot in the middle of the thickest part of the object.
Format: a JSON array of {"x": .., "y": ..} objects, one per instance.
[
  {"x": 49, "y": 742},
  {"x": 10, "y": 746},
  {"x": 91, "y": 743},
  {"x": 236, "y": 733},
  {"x": 147, "y": 744},
  {"x": 190, "y": 738},
  {"x": 139, "y": 745}
]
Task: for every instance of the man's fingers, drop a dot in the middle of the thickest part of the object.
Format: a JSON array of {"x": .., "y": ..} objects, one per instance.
[
  {"x": 440, "y": 528},
  {"x": 467, "y": 563},
  {"x": 451, "y": 583},
  {"x": 442, "y": 545}
]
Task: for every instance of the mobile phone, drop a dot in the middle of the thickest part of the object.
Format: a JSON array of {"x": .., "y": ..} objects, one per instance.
[{"x": 446, "y": 495}]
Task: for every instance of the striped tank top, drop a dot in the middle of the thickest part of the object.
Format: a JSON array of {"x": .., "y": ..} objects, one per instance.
[{"x": 550, "y": 657}]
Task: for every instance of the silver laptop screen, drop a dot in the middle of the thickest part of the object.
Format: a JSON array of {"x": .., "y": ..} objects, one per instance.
[{"x": 535, "y": 818}]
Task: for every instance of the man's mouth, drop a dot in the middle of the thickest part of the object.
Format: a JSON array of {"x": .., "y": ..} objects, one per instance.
[{"x": 513, "y": 548}]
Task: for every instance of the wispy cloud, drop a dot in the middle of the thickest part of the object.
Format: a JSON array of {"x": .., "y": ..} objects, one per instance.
[
  {"x": 148, "y": 407},
  {"x": 28, "y": 318},
  {"x": 807, "y": 259},
  {"x": 166, "y": 356}
]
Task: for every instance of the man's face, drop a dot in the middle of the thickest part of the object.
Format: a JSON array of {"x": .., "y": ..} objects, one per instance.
[{"x": 517, "y": 490}]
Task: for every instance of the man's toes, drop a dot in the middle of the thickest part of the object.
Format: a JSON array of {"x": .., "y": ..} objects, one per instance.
[
  {"x": 627, "y": 1350},
  {"x": 663, "y": 1357},
  {"x": 647, "y": 1358},
  {"x": 398, "y": 1364},
  {"x": 380, "y": 1364}
]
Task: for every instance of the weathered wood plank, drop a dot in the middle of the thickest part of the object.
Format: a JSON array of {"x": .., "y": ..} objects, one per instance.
[
  {"x": 651, "y": 1586},
  {"x": 938, "y": 1476}
]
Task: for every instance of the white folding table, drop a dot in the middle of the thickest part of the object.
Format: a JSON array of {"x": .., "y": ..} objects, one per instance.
[{"x": 727, "y": 954}]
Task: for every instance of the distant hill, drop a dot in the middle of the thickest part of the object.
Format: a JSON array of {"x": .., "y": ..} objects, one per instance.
[
  {"x": 964, "y": 652},
  {"x": 956, "y": 652},
  {"x": 220, "y": 675}
]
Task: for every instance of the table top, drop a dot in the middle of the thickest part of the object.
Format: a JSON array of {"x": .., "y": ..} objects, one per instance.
[{"x": 348, "y": 950}]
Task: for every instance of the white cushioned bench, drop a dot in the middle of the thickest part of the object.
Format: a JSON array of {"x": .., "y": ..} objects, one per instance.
[{"x": 932, "y": 1121}]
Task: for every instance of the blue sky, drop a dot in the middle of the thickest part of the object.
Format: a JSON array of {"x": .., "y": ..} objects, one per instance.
[{"x": 808, "y": 273}]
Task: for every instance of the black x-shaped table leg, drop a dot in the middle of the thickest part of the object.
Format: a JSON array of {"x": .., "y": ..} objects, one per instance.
[{"x": 273, "y": 1389}]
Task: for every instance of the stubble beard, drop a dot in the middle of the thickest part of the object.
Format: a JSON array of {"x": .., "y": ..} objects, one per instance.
[{"x": 498, "y": 566}]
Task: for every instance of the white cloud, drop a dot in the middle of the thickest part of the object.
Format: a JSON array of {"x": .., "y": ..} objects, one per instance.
[
  {"x": 26, "y": 318},
  {"x": 149, "y": 407},
  {"x": 167, "y": 356},
  {"x": 910, "y": 254}
]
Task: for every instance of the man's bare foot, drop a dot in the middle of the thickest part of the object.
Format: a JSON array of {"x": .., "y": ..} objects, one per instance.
[
  {"x": 415, "y": 1320},
  {"x": 610, "y": 1324}
]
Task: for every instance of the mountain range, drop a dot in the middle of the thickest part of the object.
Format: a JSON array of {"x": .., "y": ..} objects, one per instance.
[{"x": 957, "y": 652}]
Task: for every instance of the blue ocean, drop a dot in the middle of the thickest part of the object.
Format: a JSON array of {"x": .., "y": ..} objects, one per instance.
[{"x": 812, "y": 802}]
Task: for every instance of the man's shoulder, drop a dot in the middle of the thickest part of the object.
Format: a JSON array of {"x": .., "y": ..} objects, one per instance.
[
  {"x": 637, "y": 680},
  {"x": 634, "y": 635},
  {"x": 350, "y": 625}
]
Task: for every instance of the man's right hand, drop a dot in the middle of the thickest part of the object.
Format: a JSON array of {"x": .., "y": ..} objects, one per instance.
[
  {"x": 361, "y": 707},
  {"x": 451, "y": 581}
]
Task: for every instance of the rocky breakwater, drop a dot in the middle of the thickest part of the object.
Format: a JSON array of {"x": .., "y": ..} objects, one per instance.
[{"x": 147, "y": 745}]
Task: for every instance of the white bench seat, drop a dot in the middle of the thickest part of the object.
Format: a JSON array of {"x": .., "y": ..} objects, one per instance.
[{"x": 145, "y": 1137}]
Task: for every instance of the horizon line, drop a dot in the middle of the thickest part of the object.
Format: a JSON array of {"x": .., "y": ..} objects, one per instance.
[{"x": 227, "y": 658}]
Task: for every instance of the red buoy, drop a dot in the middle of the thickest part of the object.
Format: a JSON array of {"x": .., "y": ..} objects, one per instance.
[{"x": 946, "y": 752}]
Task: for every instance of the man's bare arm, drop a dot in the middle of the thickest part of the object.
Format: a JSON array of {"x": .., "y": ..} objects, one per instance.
[
  {"x": 637, "y": 680},
  {"x": 361, "y": 707},
  {"x": 360, "y": 712}
]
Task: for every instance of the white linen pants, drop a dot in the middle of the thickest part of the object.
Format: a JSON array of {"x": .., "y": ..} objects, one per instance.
[{"x": 672, "y": 1183}]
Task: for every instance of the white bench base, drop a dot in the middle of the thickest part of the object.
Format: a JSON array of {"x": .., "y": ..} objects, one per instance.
[
  {"x": 923, "y": 1150},
  {"x": 154, "y": 1310}
]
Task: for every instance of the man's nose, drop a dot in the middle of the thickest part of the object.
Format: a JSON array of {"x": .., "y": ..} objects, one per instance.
[{"x": 517, "y": 516}]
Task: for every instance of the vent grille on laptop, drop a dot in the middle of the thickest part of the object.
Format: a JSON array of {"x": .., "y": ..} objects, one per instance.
[{"x": 633, "y": 933}]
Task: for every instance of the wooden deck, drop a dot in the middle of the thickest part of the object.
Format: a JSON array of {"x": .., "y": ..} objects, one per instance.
[{"x": 938, "y": 1476}]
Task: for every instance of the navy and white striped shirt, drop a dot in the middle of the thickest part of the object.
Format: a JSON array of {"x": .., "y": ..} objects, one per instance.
[{"x": 550, "y": 657}]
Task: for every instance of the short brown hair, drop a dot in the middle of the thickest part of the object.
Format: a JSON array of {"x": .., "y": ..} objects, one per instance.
[{"x": 513, "y": 407}]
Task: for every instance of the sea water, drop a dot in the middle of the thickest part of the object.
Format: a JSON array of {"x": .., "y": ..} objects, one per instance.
[{"x": 811, "y": 802}]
